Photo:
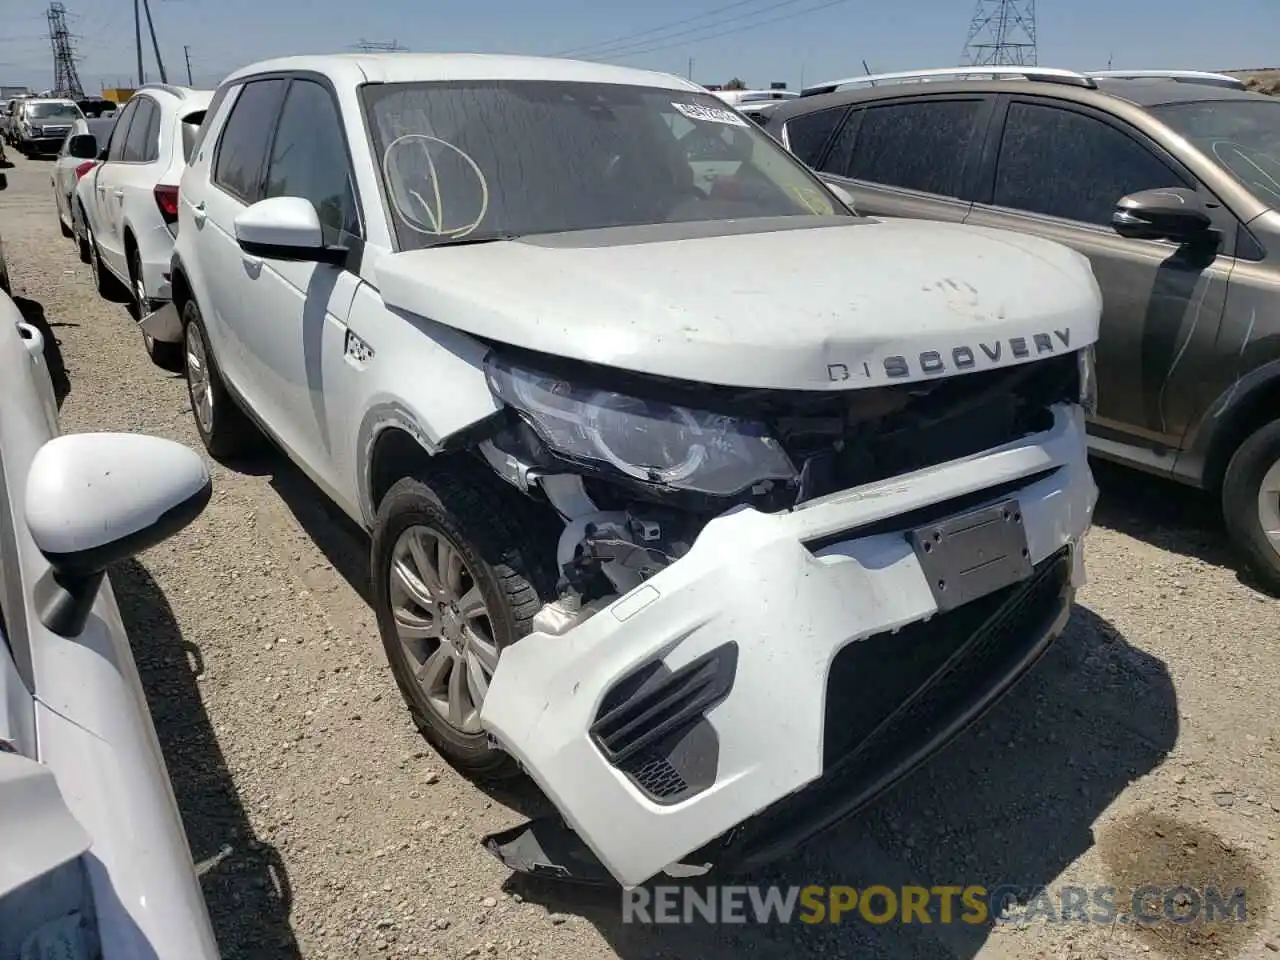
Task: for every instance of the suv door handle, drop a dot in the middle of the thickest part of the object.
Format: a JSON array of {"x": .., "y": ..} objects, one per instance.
[
  {"x": 119, "y": 194},
  {"x": 199, "y": 213}
]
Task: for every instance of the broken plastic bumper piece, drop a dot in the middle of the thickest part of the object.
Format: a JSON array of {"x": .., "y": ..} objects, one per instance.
[{"x": 792, "y": 666}]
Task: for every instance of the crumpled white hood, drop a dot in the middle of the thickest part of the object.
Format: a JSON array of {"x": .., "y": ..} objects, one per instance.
[{"x": 830, "y": 307}]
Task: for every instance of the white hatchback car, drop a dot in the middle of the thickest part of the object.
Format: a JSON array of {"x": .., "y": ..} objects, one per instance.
[
  {"x": 714, "y": 560},
  {"x": 129, "y": 201},
  {"x": 94, "y": 861}
]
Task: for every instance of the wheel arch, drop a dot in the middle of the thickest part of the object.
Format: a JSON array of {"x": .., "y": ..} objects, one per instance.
[{"x": 1247, "y": 405}]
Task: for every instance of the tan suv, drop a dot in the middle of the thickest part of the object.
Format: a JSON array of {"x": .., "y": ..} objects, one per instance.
[{"x": 1169, "y": 181}]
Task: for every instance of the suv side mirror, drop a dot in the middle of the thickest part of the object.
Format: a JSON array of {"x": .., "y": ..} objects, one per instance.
[
  {"x": 285, "y": 228},
  {"x": 1175, "y": 213},
  {"x": 94, "y": 499},
  {"x": 83, "y": 146}
]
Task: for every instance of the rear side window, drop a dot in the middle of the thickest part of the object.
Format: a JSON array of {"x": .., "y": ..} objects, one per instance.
[
  {"x": 137, "y": 147},
  {"x": 209, "y": 114},
  {"x": 190, "y": 127},
  {"x": 119, "y": 135},
  {"x": 242, "y": 148},
  {"x": 309, "y": 159},
  {"x": 1069, "y": 165},
  {"x": 808, "y": 134},
  {"x": 916, "y": 146}
]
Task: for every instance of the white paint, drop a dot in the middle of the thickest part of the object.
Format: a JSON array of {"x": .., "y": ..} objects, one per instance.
[
  {"x": 281, "y": 222},
  {"x": 87, "y": 490}
]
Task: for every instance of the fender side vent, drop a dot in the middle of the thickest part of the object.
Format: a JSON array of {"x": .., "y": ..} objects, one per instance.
[{"x": 662, "y": 703}]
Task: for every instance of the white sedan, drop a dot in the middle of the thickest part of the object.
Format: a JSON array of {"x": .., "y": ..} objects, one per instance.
[{"x": 95, "y": 863}]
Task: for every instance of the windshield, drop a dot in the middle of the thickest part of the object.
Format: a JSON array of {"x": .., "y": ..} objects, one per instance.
[
  {"x": 476, "y": 160},
  {"x": 53, "y": 111},
  {"x": 1242, "y": 135}
]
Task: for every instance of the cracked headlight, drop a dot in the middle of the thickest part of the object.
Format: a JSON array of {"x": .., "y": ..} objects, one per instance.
[
  {"x": 1088, "y": 380},
  {"x": 657, "y": 443}
]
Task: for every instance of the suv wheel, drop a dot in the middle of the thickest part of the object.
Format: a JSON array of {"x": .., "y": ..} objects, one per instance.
[
  {"x": 80, "y": 227},
  {"x": 104, "y": 280},
  {"x": 1251, "y": 503},
  {"x": 453, "y": 585},
  {"x": 166, "y": 356},
  {"x": 223, "y": 427}
]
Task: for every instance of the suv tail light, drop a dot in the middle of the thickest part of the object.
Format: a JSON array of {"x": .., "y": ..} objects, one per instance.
[
  {"x": 167, "y": 201},
  {"x": 84, "y": 168}
]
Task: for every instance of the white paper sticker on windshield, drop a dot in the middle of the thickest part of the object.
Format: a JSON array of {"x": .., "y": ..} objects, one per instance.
[{"x": 696, "y": 111}]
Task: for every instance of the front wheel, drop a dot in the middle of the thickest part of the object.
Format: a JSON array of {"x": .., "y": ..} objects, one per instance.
[
  {"x": 104, "y": 280},
  {"x": 1251, "y": 503},
  {"x": 456, "y": 580},
  {"x": 223, "y": 427}
]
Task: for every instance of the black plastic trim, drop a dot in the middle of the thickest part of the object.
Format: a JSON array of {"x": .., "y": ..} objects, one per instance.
[
  {"x": 664, "y": 704},
  {"x": 335, "y": 255}
]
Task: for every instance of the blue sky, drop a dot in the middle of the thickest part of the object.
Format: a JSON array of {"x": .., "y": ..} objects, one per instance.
[{"x": 803, "y": 43}]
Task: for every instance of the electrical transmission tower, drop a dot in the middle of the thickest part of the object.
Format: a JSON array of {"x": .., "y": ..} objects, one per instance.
[
  {"x": 378, "y": 46},
  {"x": 1002, "y": 33},
  {"x": 66, "y": 82}
]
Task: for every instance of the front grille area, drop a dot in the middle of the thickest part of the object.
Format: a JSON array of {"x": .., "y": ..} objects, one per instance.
[
  {"x": 848, "y": 440},
  {"x": 895, "y": 699}
]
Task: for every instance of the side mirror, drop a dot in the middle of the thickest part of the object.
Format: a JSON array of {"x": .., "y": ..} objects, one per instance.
[
  {"x": 285, "y": 228},
  {"x": 83, "y": 146},
  {"x": 1175, "y": 213},
  {"x": 94, "y": 499}
]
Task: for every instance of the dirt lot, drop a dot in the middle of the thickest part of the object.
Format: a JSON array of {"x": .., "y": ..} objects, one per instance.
[{"x": 1143, "y": 749}]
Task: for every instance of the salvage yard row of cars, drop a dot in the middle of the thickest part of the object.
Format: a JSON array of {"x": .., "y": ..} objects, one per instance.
[{"x": 617, "y": 501}]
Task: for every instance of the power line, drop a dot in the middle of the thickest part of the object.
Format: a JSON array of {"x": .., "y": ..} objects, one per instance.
[
  {"x": 648, "y": 33},
  {"x": 741, "y": 28}
]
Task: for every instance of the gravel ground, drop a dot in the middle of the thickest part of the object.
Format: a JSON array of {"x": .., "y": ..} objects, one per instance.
[{"x": 1142, "y": 749}]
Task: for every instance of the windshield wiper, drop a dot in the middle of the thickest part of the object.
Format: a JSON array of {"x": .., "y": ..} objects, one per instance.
[{"x": 473, "y": 238}]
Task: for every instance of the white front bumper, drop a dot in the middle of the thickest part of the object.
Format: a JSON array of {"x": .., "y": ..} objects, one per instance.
[{"x": 751, "y": 579}]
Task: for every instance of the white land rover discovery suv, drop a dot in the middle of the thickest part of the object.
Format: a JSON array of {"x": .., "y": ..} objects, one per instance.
[{"x": 713, "y": 557}]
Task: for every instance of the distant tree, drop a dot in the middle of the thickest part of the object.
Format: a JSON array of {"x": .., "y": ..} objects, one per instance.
[{"x": 736, "y": 84}]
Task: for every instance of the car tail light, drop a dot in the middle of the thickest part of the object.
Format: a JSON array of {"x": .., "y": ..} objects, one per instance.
[
  {"x": 85, "y": 168},
  {"x": 167, "y": 201}
]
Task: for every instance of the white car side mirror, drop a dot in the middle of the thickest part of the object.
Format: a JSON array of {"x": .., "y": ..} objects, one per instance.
[
  {"x": 285, "y": 228},
  {"x": 97, "y": 498}
]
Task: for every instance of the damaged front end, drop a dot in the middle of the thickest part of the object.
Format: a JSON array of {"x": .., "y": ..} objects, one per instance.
[{"x": 722, "y": 551}]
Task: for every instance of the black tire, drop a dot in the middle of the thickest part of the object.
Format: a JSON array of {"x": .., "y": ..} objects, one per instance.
[
  {"x": 229, "y": 433},
  {"x": 508, "y": 553},
  {"x": 62, "y": 225},
  {"x": 82, "y": 238},
  {"x": 1241, "y": 485},
  {"x": 166, "y": 356},
  {"x": 104, "y": 281}
]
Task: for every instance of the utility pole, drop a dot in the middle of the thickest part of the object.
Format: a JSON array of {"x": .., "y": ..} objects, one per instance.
[
  {"x": 137, "y": 36},
  {"x": 155, "y": 44},
  {"x": 186, "y": 52},
  {"x": 1001, "y": 33},
  {"x": 691, "y": 68}
]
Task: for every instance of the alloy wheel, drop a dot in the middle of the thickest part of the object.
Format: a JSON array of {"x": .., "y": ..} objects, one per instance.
[
  {"x": 443, "y": 625},
  {"x": 1269, "y": 505},
  {"x": 199, "y": 381}
]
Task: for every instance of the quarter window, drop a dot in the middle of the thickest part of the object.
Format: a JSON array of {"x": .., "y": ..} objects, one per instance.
[
  {"x": 808, "y": 134},
  {"x": 242, "y": 148},
  {"x": 1066, "y": 164},
  {"x": 309, "y": 159},
  {"x": 920, "y": 145}
]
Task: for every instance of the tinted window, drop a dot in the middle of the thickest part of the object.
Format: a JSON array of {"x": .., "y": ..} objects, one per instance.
[
  {"x": 309, "y": 158},
  {"x": 515, "y": 157},
  {"x": 917, "y": 146},
  {"x": 242, "y": 148},
  {"x": 145, "y": 121},
  {"x": 808, "y": 134},
  {"x": 1066, "y": 164},
  {"x": 121, "y": 132},
  {"x": 190, "y": 127},
  {"x": 209, "y": 114}
]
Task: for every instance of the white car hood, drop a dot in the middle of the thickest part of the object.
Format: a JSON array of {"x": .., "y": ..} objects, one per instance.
[{"x": 862, "y": 303}]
